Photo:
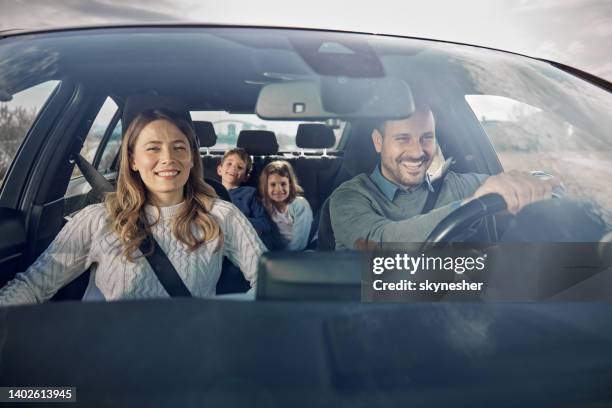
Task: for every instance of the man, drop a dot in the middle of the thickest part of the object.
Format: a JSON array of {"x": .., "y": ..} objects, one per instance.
[{"x": 386, "y": 205}]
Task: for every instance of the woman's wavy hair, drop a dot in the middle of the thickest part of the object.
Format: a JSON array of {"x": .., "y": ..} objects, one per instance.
[
  {"x": 283, "y": 169},
  {"x": 126, "y": 206}
]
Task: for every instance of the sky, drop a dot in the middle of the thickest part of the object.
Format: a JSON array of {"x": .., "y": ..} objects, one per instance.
[{"x": 574, "y": 32}]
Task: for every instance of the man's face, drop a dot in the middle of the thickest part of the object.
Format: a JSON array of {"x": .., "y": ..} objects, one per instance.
[{"x": 407, "y": 148}]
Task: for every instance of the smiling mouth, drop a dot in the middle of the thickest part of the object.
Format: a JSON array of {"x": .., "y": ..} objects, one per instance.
[
  {"x": 413, "y": 165},
  {"x": 169, "y": 173}
]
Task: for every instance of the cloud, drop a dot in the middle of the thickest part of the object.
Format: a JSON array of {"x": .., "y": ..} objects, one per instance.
[
  {"x": 530, "y": 6},
  {"x": 601, "y": 27},
  {"x": 111, "y": 11},
  {"x": 33, "y": 14},
  {"x": 574, "y": 32}
]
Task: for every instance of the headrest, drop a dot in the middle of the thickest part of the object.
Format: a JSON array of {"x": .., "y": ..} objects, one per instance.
[
  {"x": 137, "y": 103},
  {"x": 258, "y": 142},
  {"x": 314, "y": 136},
  {"x": 205, "y": 132}
]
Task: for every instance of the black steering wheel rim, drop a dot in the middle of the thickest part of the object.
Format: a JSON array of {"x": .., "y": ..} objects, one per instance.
[{"x": 463, "y": 217}]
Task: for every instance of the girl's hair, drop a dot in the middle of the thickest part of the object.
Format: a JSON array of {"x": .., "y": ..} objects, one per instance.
[
  {"x": 244, "y": 156},
  {"x": 126, "y": 206},
  {"x": 283, "y": 169}
]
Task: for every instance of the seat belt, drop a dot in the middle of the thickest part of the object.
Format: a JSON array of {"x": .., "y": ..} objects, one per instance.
[
  {"x": 99, "y": 185},
  {"x": 163, "y": 268},
  {"x": 432, "y": 196},
  {"x": 161, "y": 265}
]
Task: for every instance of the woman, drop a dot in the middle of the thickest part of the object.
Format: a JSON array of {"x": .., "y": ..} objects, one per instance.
[{"x": 160, "y": 191}]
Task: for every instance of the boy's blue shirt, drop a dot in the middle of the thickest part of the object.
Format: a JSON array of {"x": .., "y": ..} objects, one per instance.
[{"x": 245, "y": 198}]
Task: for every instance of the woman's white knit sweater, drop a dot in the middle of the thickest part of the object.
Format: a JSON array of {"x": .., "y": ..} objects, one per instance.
[{"x": 87, "y": 239}]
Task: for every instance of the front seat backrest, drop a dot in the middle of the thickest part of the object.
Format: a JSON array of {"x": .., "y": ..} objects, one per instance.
[{"x": 326, "y": 240}]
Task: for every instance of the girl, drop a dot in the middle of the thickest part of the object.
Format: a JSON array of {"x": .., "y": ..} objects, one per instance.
[
  {"x": 279, "y": 189},
  {"x": 160, "y": 192}
]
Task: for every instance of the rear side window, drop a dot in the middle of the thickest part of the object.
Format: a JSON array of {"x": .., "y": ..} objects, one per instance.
[
  {"x": 16, "y": 119},
  {"x": 108, "y": 155},
  {"x": 96, "y": 134}
]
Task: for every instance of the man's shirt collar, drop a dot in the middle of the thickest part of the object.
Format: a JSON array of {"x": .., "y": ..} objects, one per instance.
[{"x": 390, "y": 189}]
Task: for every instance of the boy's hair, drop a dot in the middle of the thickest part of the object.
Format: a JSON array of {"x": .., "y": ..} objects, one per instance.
[
  {"x": 283, "y": 169},
  {"x": 244, "y": 156}
]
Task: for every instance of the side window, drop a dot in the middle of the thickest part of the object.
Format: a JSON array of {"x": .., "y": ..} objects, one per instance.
[
  {"x": 110, "y": 150},
  {"x": 96, "y": 133},
  {"x": 534, "y": 138},
  {"x": 16, "y": 118}
]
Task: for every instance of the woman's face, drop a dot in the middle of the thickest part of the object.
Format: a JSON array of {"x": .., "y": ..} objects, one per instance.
[
  {"x": 278, "y": 188},
  {"x": 162, "y": 157}
]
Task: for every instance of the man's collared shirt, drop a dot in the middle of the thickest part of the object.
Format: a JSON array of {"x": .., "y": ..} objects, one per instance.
[{"x": 390, "y": 189}]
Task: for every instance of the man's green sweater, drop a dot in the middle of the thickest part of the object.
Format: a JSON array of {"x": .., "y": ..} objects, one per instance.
[{"x": 371, "y": 208}]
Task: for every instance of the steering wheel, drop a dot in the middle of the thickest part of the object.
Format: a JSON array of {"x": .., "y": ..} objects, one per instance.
[{"x": 460, "y": 220}]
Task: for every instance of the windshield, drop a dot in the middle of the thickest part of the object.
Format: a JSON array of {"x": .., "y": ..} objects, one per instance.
[{"x": 401, "y": 219}]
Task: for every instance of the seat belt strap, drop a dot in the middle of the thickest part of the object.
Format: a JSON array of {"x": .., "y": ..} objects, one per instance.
[
  {"x": 98, "y": 183},
  {"x": 432, "y": 196},
  {"x": 164, "y": 270}
]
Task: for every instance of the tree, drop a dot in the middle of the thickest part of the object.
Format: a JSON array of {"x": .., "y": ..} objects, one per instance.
[{"x": 14, "y": 125}]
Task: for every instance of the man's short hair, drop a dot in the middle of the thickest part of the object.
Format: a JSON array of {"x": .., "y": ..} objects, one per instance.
[
  {"x": 243, "y": 155},
  {"x": 418, "y": 105}
]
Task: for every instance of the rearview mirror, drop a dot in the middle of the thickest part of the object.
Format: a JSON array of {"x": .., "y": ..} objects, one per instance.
[{"x": 336, "y": 97}]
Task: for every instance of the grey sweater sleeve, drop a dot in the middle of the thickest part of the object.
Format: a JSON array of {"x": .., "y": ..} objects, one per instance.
[{"x": 354, "y": 217}]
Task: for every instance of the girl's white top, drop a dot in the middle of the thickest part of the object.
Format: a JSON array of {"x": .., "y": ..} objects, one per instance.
[
  {"x": 294, "y": 224},
  {"x": 87, "y": 240}
]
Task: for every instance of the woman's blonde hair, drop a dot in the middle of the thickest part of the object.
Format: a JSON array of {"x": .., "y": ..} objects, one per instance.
[
  {"x": 283, "y": 169},
  {"x": 126, "y": 206}
]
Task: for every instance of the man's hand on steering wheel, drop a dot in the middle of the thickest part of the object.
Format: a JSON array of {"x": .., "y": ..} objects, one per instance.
[{"x": 517, "y": 188}]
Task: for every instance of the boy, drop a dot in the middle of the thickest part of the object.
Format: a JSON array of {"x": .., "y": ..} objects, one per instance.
[{"x": 234, "y": 169}]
